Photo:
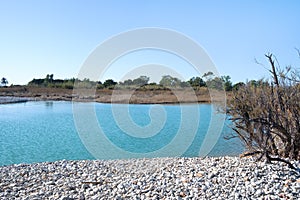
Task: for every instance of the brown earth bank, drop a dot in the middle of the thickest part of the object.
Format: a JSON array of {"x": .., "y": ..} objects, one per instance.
[{"x": 137, "y": 96}]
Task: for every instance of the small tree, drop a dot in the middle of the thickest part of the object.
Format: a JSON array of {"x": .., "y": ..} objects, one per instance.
[
  {"x": 4, "y": 81},
  {"x": 266, "y": 116}
]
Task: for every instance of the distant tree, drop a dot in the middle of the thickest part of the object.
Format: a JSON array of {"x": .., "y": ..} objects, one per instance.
[
  {"x": 4, "y": 81},
  {"x": 86, "y": 80},
  {"x": 127, "y": 82},
  {"x": 258, "y": 83},
  {"x": 218, "y": 83},
  {"x": 236, "y": 86},
  {"x": 169, "y": 81},
  {"x": 227, "y": 83},
  {"x": 184, "y": 84},
  {"x": 252, "y": 83},
  {"x": 109, "y": 83},
  {"x": 142, "y": 80},
  {"x": 197, "y": 81},
  {"x": 99, "y": 85},
  {"x": 208, "y": 75},
  {"x": 47, "y": 78},
  {"x": 215, "y": 83},
  {"x": 51, "y": 77},
  {"x": 36, "y": 82}
]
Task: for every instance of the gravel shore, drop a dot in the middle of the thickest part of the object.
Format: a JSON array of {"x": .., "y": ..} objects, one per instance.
[{"x": 157, "y": 178}]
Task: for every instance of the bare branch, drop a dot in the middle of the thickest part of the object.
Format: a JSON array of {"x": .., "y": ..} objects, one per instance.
[
  {"x": 269, "y": 56},
  {"x": 259, "y": 63},
  {"x": 298, "y": 51},
  {"x": 281, "y": 160}
]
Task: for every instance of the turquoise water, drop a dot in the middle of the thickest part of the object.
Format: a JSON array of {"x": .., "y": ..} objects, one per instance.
[{"x": 45, "y": 131}]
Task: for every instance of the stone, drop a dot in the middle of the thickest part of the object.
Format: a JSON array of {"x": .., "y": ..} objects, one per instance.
[{"x": 158, "y": 178}]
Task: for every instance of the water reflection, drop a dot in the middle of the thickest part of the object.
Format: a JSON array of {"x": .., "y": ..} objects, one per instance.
[{"x": 49, "y": 104}]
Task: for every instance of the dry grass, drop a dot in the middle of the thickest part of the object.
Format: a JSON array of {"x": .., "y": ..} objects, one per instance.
[{"x": 139, "y": 96}]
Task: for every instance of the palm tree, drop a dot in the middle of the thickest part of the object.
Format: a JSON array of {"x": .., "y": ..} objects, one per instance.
[{"x": 4, "y": 81}]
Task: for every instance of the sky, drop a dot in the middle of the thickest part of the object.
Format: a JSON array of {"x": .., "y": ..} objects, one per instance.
[{"x": 57, "y": 36}]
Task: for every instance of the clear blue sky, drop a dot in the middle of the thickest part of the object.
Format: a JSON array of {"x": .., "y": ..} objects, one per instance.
[{"x": 55, "y": 37}]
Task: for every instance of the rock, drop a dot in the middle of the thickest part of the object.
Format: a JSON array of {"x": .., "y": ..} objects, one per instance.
[
  {"x": 158, "y": 178},
  {"x": 258, "y": 192},
  {"x": 50, "y": 183},
  {"x": 85, "y": 186}
]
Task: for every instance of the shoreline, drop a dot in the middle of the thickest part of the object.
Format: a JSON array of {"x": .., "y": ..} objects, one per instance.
[
  {"x": 119, "y": 96},
  {"x": 15, "y": 100},
  {"x": 151, "y": 178}
]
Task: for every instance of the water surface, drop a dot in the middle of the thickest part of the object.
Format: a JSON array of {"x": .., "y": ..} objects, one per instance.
[{"x": 45, "y": 131}]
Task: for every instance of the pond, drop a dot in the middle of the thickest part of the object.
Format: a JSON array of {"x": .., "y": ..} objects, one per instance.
[{"x": 54, "y": 130}]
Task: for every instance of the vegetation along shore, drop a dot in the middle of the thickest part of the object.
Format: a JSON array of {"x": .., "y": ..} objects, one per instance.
[{"x": 139, "y": 90}]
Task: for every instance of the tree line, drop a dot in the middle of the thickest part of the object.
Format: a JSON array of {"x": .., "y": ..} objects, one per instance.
[{"x": 207, "y": 80}]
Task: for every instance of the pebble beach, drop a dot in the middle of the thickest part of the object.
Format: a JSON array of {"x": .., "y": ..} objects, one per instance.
[{"x": 156, "y": 178}]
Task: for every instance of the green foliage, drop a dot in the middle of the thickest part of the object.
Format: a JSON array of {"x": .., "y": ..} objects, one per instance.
[
  {"x": 100, "y": 86},
  {"x": 52, "y": 83},
  {"x": 109, "y": 83},
  {"x": 215, "y": 83},
  {"x": 37, "y": 82},
  {"x": 237, "y": 86},
  {"x": 69, "y": 84},
  {"x": 127, "y": 82},
  {"x": 227, "y": 83},
  {"x": 169, "y": 81},
  {"x": 184, "y": 84},
  {"x": 208, "y": 75},
  {"x": 218, "y": 83},
  {"x": 166, "y": 81},
  {"x": 197, "y": 82},
  {"x": 49, "y": 78},
  {"x": 142, "y": 80}
]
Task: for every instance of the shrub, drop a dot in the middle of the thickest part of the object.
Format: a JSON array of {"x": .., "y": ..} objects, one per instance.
[{"x": 266, "y": 116}]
